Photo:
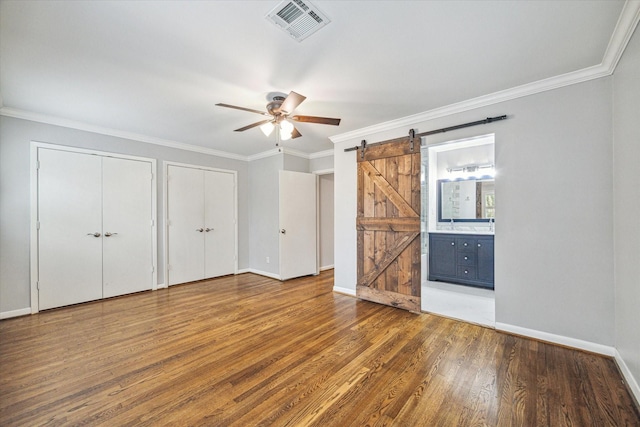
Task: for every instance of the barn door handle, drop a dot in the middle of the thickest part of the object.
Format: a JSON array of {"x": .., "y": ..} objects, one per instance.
[
  {"x": 96, "y": 234},
  {"x": 283, "y": 231},
  {"x": 200, "y": 229},
  {"x": 107, "y": 234}
]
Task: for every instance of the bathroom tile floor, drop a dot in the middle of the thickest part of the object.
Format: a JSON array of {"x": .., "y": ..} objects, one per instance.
[{"x": 466, "y": 303}]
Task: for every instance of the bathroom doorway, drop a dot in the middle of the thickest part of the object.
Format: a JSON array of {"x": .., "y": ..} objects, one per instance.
[{"x": 458, "y": 218}]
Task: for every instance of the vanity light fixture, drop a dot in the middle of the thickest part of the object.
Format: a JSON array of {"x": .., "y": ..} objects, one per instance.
[{"x": 472, "y": 171}]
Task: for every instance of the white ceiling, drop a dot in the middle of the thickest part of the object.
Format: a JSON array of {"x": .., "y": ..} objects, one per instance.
[{"x": 157, "y": 68}]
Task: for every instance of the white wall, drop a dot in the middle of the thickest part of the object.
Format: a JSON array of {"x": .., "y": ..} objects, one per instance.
[
  {"x": 626, "y": 158},
  {"x": 295, "y": 163},
  {"x": 15, "y": 138},
  {"x": 554, "y": 224}
]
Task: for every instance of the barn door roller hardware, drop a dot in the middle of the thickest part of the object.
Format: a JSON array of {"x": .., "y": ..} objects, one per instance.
[{"x": 413, "y": 134}]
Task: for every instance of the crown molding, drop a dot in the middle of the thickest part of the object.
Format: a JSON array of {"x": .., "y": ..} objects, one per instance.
[
  {"x": 627, "y": 22},
  {"x": 58, "y": 121},
  {"x": 265, "y": 154},
  {"x": 291, "y": 152},
  {"x": 320, "y": 154},
  {"x": 626, "y": 25}
]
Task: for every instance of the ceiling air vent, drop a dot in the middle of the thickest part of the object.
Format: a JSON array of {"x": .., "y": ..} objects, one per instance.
[{"x": 299, "y": 19}]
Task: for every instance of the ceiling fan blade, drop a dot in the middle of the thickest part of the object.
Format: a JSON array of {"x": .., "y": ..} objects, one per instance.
[
  {"x": 291, "y": 102},
  {"x": 260, "y": 123},
  {"x": 243, "y": 109},
  {"x": 313, "y": 119},
  {"x": 295, "y": 133}
]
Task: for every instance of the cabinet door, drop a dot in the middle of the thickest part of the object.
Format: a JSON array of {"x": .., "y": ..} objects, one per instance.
[
  {"x": 442, "y": 256},
  {"x": 127, "y": 230},
  {"x": 69, "y": 212},
  {"x": 219, "y": 222},
  {"x": 485, "y": 259},
  {"x": 185, "y": 203}
]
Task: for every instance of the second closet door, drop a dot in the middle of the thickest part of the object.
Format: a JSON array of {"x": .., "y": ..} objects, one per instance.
[
  {"x": 186, "y": 228},
  {"x": 127, "y": 226},
  {"x": 219, "y": 221},
  {"x": 201, "y": 224}
]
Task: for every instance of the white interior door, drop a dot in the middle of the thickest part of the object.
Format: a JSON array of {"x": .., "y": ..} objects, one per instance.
[
  {"x": 298, "y": 230},
  {"x": 69, "y": 214},
  {"x": 185, "y": 203},
  {"x": 219, "y": 212},
  {"x": 127, "y": 227}
]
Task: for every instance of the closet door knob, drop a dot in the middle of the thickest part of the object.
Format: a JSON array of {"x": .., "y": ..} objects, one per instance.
[
  {"x": 200, "y": 229},
  {"x": 96, "y": 234},
  {"x": 208, "y": 229},
  {"x": 107, "y": 234},
  {"x": 283, "y": 231}
]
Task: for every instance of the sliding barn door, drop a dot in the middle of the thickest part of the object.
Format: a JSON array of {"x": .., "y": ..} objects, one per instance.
[{"x": 388, "y": 224}]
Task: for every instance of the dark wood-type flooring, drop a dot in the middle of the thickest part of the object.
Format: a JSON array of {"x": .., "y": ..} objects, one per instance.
[{"x": 251, "y": 351}]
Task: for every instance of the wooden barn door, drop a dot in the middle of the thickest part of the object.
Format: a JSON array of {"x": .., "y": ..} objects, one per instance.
[{"x": 388, "y": 224}]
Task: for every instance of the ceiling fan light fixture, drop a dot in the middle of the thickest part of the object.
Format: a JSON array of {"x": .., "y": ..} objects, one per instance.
[
  {"x": 286, "y": 130},
  {"x": 267, "y": 128},
  {"x": 286, "y": 127}
]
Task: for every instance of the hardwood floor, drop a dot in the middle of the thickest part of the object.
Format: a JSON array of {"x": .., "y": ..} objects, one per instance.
[{"x": 251, "y": 351}]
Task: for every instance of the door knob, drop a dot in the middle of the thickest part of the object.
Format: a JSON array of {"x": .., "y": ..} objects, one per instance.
[
  {"x": 200, "y": 229},
  {"x": 283, "y": 231},
  {"x": 208, "y": 229},
  {"x": 107, "y": 234},
  {"x": 96, "y": 234}
]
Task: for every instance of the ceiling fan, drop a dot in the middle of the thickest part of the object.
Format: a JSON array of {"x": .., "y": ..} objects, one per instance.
[{"x": 279, "y": 112}]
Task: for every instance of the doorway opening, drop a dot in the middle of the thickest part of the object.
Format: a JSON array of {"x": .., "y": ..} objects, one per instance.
[{"x": 445, "y": 216}]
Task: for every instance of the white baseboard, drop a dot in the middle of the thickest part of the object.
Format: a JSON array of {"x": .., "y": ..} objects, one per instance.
[
  {"x": 15, "y": 313},
  {"x": 557, "y": 339},
  {"x": 161, "y": 286},
  {"x": 326, "y": 267},
  {"x": 346, "y": 291},
  {"x": 628, "y": 376}
]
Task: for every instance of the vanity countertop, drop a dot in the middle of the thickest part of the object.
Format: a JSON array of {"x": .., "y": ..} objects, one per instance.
[{"x": 480, "y": 232}]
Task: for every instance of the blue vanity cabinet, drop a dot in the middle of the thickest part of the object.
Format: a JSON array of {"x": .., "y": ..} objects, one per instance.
[
  {"x": 466, "y": 259},
  {"x": 442, "y": 256},
  {"x": 485, "y": 260}
]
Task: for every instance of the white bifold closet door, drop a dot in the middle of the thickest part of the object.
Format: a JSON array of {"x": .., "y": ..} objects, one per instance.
[
  {"x": 126, "y": 221},
  {"x": 201, "y": 224},
  {"x": 95, "y": 229}
]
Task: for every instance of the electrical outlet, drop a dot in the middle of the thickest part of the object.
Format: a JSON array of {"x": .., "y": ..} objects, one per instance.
[{"x": 268, "y": 260}]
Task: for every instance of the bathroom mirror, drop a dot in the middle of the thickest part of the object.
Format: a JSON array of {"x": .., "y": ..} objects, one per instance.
[{"x": 469, "y": 200}]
